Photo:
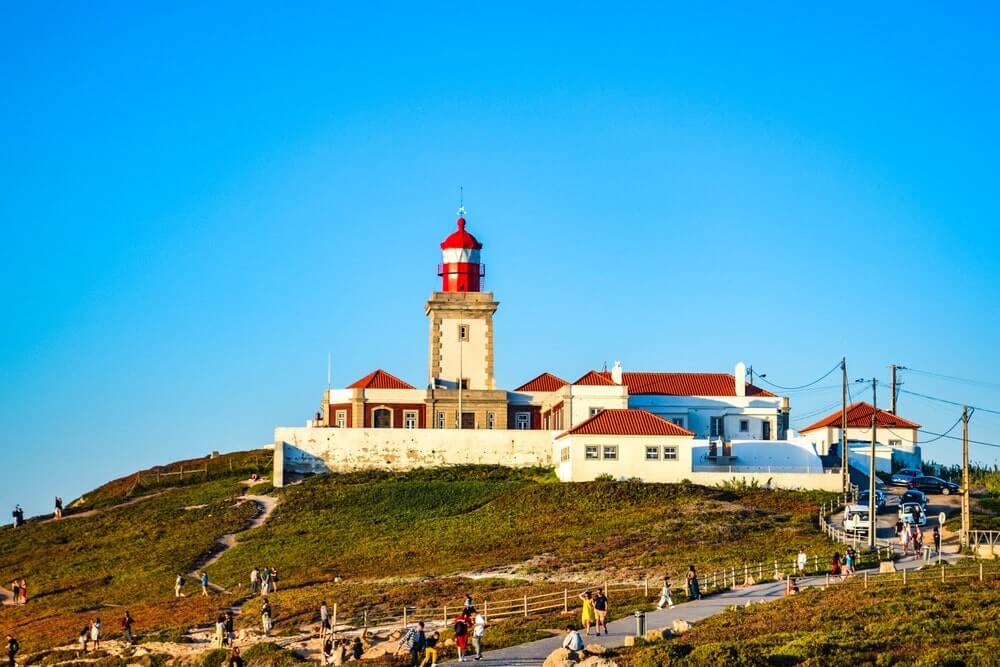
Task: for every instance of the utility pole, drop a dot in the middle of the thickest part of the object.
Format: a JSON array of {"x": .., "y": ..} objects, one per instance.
[
  {"x": 844, "y": 467},
  {"x": 966, "y": 519},
  {"x": 894, "y": 386},
  {"x": 871, "y": 469}
]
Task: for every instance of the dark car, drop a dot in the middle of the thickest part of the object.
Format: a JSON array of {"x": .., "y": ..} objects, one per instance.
[
  {"x": 904, "y": 476},
  {"x": 914, "y": 496},
  {"x": 929, "y": 484},
  {"x": 879, "y": 500}
]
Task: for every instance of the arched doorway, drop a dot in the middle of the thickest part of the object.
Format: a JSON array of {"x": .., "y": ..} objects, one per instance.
[{"x": 382, "y": 418}]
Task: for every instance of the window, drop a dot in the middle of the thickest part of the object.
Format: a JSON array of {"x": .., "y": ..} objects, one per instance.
[
  {"x": 652, "y": 453},
  {"x": 679, "y": 421},
  {"x": 491, "y": 420},
  {"x": 610, "y": 452},
  {"x": 564, "y": 454},
  {"x": 590, "y": 453},
  {"x": 896, "y": 444},
  {"x": 382, "y": 418},
  {"x": 440, "y": 420},
  {"x": 522, "y": 421},
  {"x": 463, "y": 383},
  {"x": 409, "y": 419},
  {"x": 594, "y": 411},
  {"x": 463, "y": 332},
  {"x": 744, "y": 426},
  {"x": 341, "y": 419},
  {"x": 715, "y": 429},
  {"x": 669, "y": 453}
]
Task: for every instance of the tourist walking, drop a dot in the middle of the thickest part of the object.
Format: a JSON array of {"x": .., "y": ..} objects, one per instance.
[
  {"x": 230, "y": 620},
  {"x": 220, "y": 631},
  {"x": 324, "y": 620},
  {"x": 460, "y": 626},
  {"x": 358, "y": 649},
  {"x": 127, "y": 622},
  {"x": 430, "y": 650},
  {"x": 665, "y": 599},
  {"x": 13, "y": 646},
  {"x": 601, "y": 609},
  {"x": 274, "y": 580},
  {"x": 693, "y": 588},
  {"x": 587, "y": 615},
  {"x": 573, "y": 640},
  {"x": 234, "y": 658},
  {"x": 15, "y": 592},
  {"x": 24, "y": 592},
  {"x": 58, "y": 507},
  {"x": 84, "y": 637},
  {"x": 835, "y": 567},
  {"x": 204, "y": 583},
  {"x": 801, "y": 561},
  {"x": 95, "y": 633},
  {"x": 178, "y": 585},
  {"x": 265, "y": 581},
  {"x": 327, "y": 651},
  {"x": 937, "y": 540},
  {"x": 478, "y": 630},
  {"x": 266, "y": 623},
  {"x": 254, "y": 581},
  {"x": 18, "y": 515},
  {"x": 413, "y": 641}
]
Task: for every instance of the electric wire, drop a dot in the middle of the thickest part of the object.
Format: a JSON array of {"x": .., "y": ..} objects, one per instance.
[
  {"x": 953, "y": 378},
  {"x": 944, "y": 400},
  {"x": 803, "y": 386}
]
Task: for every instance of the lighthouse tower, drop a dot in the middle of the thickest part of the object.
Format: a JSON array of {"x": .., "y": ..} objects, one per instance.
[{"x": 461, "y": 332}]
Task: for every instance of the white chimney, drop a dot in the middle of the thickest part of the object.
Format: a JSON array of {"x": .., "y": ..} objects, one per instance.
[
  {"x": 616, "y": 372},
  {"x": 741, "y": 379}
]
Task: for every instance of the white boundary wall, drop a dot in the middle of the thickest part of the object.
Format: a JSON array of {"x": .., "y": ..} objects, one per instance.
[{"x": 316, "y": 450}]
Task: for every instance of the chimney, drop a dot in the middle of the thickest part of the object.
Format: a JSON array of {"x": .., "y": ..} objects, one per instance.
[
  {"x": 616, "y": 372},
  {"x": 741, "y": 379}
]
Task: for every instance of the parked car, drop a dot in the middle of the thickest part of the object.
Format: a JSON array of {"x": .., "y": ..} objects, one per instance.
[
  {"x": 856, "y": 519},
  {"x": 914, "y": 496},
  {"x": 903, "y": 477},
  {"x": 929, "y": 484},
  {"x": 912, "y": 513},
  {"x": 879, "y": 499}
]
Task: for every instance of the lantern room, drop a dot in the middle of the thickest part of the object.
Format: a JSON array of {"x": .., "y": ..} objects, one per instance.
[{"x": 460, "y": 269}]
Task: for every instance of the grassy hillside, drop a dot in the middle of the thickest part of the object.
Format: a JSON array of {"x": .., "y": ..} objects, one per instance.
[
  {"x": 921, "y": 624},
  {"x": 395, "y": 539}
]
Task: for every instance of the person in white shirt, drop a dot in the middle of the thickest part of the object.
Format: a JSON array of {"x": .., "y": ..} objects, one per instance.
[
  {"x": 802, "y": 561},
  {"x": 665, "y": 598},
  {"x": 478, "y": 630},
  {"x": 573, "y": 639}
]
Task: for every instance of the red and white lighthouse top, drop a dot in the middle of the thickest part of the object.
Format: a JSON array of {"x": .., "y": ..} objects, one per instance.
[{"x": 460, "y": 268}]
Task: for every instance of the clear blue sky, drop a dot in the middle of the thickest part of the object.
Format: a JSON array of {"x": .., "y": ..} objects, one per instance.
[{"x": 198, "y": 202}]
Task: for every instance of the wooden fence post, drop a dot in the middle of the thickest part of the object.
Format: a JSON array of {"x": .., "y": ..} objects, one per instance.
[
  {"x": 904, "y": 576},
  {"x": 182, "y": 472},
  {"x": 526, "y": 605},
  {"x": 334, "y": 627},
  {"x": 486, "y": 609},
  {"x": 404, "y": 618},
  {"x": 444, "y": 615},
  {"x": 645, "y": 586},
  {"x": 866, "y": 580},
  {"x": 942, "y": 573},
  {"x": 980, "y": 571},
  {"x": 816, "y": 562},
  {"x": 775, "y": 569},
  {"x": 565, "y": 601}
]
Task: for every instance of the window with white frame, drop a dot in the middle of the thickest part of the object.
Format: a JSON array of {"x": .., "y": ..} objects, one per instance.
[
  {"x": 463, "y": 332},
  {"x": 491, "y": 420},
  {"x": 652, "y": 453},
  {"x": 341, "y": 419},
  {"x": 440, "y": 420},
  {"x": 896, "y": 443},
  {"x": 610, "y": 452},
  {"x": 522, "y": 421},
  {"x": 591, "y": 453},
  {"x": 564, "y": 454},
  {"x": 669, "y": 453},
  {"x": 595, "y": 411},
  {"x": 744, "y": 426},
  {"x": 409, "y": 418}
]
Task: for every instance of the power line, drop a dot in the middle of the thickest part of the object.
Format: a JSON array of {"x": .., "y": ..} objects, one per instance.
[
  {"x": 957, "y": 437},
  {"x": 819, "y": 379},
  {"x": 943, "y": 400},
  {"x": 953, "y": 378}
]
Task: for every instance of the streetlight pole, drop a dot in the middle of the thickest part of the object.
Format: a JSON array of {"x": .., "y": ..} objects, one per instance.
[{"x": 871, "y": 469}]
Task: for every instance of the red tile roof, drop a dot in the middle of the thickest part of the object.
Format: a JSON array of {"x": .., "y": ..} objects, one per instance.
[
  {"x": 379, "y": 379},
  {"x": 859, "y": 415},
  {"x": 593, "y": 378},
  {"x": 543, "y": 382},
  {"x": 621, "y": 421},
  {"x": 687, "y": 384}
]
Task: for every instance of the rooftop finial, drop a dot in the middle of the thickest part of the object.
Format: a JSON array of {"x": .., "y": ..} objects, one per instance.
[{"x": 461, "y": 201}]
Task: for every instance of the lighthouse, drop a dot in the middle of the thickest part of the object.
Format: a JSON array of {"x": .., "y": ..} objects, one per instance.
[
  {"x": 460, "y": 358},
  {"x": 460, "y": 269}
]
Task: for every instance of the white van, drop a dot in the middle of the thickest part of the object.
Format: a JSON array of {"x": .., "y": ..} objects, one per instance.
[{"x": 857, "y": 519}]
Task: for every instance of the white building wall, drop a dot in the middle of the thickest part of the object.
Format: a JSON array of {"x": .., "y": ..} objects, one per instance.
[
  {"x": 464, "y": 359},
  {"x": 316, "y": 450},
  {"x": 697, "y": 412}
]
